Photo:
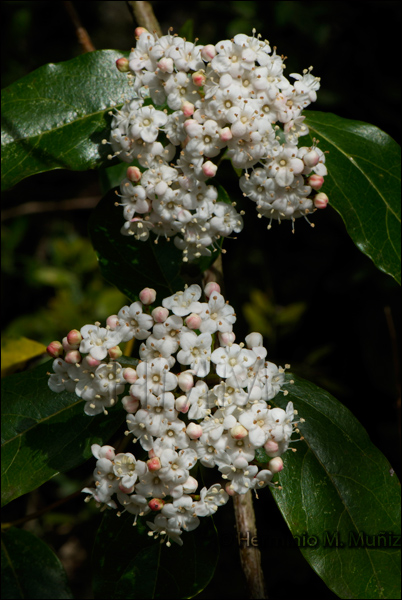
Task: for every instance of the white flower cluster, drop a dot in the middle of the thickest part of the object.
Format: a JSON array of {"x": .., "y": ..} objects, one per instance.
[
  {"x": 229, "y": 98},
  {"x": 195, "y": 396}
]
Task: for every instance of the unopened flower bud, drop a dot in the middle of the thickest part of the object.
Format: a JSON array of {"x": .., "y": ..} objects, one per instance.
[
  {"x": 92, "y": 362},
  {"x": 154, "y": 464},
  {"x": 107, "y": 452},
  {"x": 139, "y": 31},
  {"x": 166, "y": 65},
  {"x": 130, "y": 375},
  {"x": 240, "y": 462},
  {"x": 321, "y": 200},
  {"x": 156, "y": 504},
  {"x": 311, "y": 159},
  {"x": 74, "y": 337},
  {"x": 191, "y": 126},
  {"x": 72, "y": 357},
  {"x": 160, "y": 314},
  {"x": 115, "y": 352},
  {"x": 194, "y": 431},
  {"x": 130, "y": 404},
  {"x": 133, "y": 174},
  {"x": 199, "y": 78},
  {"x": 229, "y": 490},
  {"x": 182, "y": 404},
  {"x": 185, "y": 381},
  {"x": 122, "y": 64},
  {"x": 254, "y": 339},
  {"x": 193, "y": 321},
  {"x": 112, "y": 322},
  {"x": 126, "y": 490},
  {"x": 238, "y": 432},
  {"x": 211, "y": 287},
  {"x": 271, "y": 448},
  {"x": 316, "y": 182},
  {"x": 275, "y": 465},
  {"x": 209, "y": 169},
  {"x": 55, "y": 349},
  {"x": 208, "y": 52},
  {"x": 225, "y": 134},
  {"x": 190, "y": 486},
  {"x": 187, "y": 108},
  {"x": 147, "y": 296},
  {"x": 226, "y": 339}
]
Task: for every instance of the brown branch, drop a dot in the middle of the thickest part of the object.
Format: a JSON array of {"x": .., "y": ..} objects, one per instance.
[
  {"x": 30, "y": 208},
  {"x": 81, "y": 32},
  {"x": 143, "y": 14}
]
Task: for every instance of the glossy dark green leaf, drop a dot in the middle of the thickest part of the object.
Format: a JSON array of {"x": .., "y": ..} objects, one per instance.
[
  {"x": 363, "y": 184},
  {"x": 132, "y": 265},
  {"x": 56, "y": 117},
  {"x": 44, "y": 433},
  {"x": 339, "y": 491},
  {"x": 29, "y": 568},
  {"x": 127, "y": 563}
]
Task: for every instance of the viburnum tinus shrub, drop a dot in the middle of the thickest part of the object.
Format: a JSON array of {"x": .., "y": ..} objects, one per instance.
[{"x": 166, "y": 375}]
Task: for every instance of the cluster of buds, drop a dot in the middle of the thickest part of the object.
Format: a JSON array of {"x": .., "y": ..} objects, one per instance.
[
  {"x": 192, "y": 104},
  {"x": 195, "y": 396}
]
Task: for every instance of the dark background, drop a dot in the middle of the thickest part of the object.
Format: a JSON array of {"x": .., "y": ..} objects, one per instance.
[{"x": 320, "y": 303}]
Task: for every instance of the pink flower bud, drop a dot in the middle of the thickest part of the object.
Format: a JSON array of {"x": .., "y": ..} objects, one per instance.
[
  {"x": 209, "y": 169},
  {"x": 130, "y": 375},
  {"x": 254, "y": 339},
  {"x": 92, "y": 362},
  {"x": 225, "y": 134},
  {"x": 321, "y": 200},
  {"x": 199, "y": 78},
  {"x": 311, "y": 159},
  {"x": 107, "y": 452},
  {"x": 154, "y": 464},
  {"x": 122, "y": 64},
  {"x": 187, "y": 108},
  {"x": 133, "y": 174},
  {"x": 211, "y": 287},
  {"x": 182, "y": 404},
  {"x": 193, "y": 321},
  {"x": 271, "y": 448},
  {"x": 275, "y": 465},
  {"x": 126, "y": 490},
  {"x": 238, "y": 432},
  {"x": 226, "y": 339},
  {"x": 191, "y": 126},
  {"x": 55, "y": 349},
  {"x": 208, "y": 52},
  {"x": 130, "y": 404},
  {"x": 315, "y": 181},
  {"x": 68, "y": 347},
  {"x": 156, "y": 504},
  {"x": 229, "y": 490},
  {"x": 166, "y": 65},
  {"x": 194, "y": 431},
  {"x": 147, "y": 296},
  {"x": 185, "y": 381},
  {"x": 115, "y": 352},
  {"x": 112, "y": 322},
  {"x": 72, "y": 357},
  {"x": 160, "y": 314},
  {"x": 74, "y": 337},
  {"x": 139, "y": 31}
]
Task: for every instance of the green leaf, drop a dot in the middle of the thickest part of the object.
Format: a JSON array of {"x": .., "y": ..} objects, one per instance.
[
  {"x": 150, "y": 569},
  {"x": 363, "y": 185},
  {"x": 56, "y": 117},
  {"x": 340, "y": 488},
  {"x": 29, "y": 568},
  {"x": 15, "y": 353},
  {"x": 44, "y": 433},
  {"x": 132, "y": 265}
]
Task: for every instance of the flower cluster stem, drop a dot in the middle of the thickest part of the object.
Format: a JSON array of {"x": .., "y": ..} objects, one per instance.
[{"x": 144, "y": 15}]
